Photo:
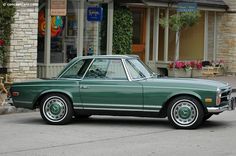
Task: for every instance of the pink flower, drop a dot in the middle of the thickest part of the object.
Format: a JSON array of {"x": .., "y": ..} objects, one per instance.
[{"x": 2, "y": 42}]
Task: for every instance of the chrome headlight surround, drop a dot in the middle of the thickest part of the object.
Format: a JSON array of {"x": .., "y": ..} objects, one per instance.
[{"x": 218, "y": 96}]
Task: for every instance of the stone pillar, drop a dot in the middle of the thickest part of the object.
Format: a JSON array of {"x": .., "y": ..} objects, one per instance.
[{"x": 22, "y": 63}]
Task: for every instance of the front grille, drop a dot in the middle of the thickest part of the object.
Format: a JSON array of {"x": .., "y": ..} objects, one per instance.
[{"x": 225, "y": 94}]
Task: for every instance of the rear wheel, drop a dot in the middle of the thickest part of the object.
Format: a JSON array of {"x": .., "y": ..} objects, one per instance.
[
  {"x": 185, "y": 112},
  {"x": 56, "y": 109}
]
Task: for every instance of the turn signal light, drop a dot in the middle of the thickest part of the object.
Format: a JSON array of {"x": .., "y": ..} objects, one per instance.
[{"x": 15, "y": 94}]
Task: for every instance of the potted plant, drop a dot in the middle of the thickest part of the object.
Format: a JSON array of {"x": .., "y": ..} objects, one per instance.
[
  {"x": 179, "y": 69},
  {"x": 196, "y": 68}
]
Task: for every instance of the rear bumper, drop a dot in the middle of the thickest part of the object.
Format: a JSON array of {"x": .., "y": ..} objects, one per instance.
[{"x": 231, "y": 106}]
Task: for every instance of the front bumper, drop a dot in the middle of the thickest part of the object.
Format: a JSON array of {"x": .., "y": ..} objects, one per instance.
[{"x": 231, "y": 106}]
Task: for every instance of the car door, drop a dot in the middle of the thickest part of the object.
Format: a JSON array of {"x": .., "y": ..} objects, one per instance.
[{"x": 106, "y": 87}]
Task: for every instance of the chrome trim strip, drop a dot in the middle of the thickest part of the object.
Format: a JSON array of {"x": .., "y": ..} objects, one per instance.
[
  {"x": 112, "y": 109},
  {"x": 126, "y": 70},
  {"x": 120, "y": 105},
  {"x": 27, "y": 102}
]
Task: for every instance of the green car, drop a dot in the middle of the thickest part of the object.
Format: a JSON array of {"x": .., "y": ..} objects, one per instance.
[{"x": 122, "y": 86}]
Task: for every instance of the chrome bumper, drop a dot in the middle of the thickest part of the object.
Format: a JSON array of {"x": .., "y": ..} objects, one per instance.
[{"x": 231, "y": 106}]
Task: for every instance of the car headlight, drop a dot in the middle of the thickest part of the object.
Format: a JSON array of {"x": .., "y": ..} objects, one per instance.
[{"x": 218, "y": 96}]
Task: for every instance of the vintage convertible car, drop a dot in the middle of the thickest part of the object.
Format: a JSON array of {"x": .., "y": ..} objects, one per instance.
[{"x": 122, "y": 85}]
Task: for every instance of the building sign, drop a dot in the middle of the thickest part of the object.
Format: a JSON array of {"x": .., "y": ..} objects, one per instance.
[
  {"x": 186, "y": 7},
  {"x": 94, "y": 13},
  {"x": 58, "y": 7}
]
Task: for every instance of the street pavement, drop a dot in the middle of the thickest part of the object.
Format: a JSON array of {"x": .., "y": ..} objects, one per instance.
[{"x": 25, "y": 134}]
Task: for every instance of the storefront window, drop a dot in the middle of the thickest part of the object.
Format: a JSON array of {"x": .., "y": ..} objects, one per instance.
[
  {"x": 192, "y": 41},
  {"x": 41, "y": 31},
  {"x": 64, "y": 34}
]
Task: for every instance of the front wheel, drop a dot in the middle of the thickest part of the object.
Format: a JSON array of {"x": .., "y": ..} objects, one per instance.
[
  {"x": 56, "y": 109},
  {"x": 207, "y": 116},
  {"x": 185, "y": 112}
]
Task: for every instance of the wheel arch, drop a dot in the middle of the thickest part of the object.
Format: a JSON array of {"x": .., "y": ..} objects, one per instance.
[
  {"x": 167, "y": 102},
  {"x": 44, "y": 93}
]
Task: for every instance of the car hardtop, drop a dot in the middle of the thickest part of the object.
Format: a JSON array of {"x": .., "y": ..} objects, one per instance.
[{"x": 107, "y": 56}]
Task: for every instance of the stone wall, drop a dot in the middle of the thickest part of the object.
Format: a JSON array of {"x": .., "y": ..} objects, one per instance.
[
  {"x": 227, "y": 41},
  {"x": 23, "y": 47},
  {"x": 227, "y": 37}
]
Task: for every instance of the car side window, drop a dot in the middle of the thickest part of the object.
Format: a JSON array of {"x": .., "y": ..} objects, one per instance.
[
  {"x": 107, "y": 69},
  {"x": 133, "y": 71},
  {"x": 77, "y": 70}
]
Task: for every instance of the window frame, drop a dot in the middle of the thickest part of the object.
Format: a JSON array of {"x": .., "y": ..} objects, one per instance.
[{"x": 123, "y": 66}]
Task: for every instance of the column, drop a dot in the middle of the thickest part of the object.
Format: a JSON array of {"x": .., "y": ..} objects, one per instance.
[
  {"x": 147, "y": 41},
  {"x": 215, "y": 37},
  {"x": 166, "y": 39},
  {"x": 110, "y": 27},
  {"x": 47, "y": 40},
  {"x": 206, "y": 37},
  {"x": 80, "y": 34},
  {"x": 156, "y": 34}
]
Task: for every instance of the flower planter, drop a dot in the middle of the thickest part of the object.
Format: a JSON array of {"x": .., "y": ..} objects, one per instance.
[
  {"x": 179, "y": 73},
  {"x": 196, "y": 73}
]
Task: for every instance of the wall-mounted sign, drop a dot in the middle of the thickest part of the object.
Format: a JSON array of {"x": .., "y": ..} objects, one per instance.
[
  {"x": 186, "y": 7},
  {"x": 94, "y": 13},
  {"x": 58, "y": 7}
]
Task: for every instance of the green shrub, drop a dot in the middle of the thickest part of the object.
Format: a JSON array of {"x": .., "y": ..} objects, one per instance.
[
  {"x": 122, "y": 31},
  {"x": 6, "y": 19}
]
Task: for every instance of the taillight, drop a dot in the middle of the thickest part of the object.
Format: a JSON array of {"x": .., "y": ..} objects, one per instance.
[{"x": 14, "y": 94}]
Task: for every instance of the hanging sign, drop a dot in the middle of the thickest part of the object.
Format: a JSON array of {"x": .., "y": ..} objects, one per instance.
[
  {"x": 58, "y": 7},
  {"x": 94, "y": 13},
  {"x": 186, "y": 7}
]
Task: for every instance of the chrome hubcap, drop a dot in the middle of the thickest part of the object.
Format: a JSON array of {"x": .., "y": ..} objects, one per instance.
[
  {"x": 184, "y": 113},
  {"x": 55, "y": 109}
]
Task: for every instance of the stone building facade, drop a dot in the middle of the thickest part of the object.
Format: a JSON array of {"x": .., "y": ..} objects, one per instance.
[
  {"x": 23, "y": 64},
  {"x": 23, "y": 46},
  {"x": 227, "y": 37}
]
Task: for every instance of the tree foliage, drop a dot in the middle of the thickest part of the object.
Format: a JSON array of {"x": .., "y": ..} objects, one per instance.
[
  {"x": 179, "y": 21},
  {"x": 6, "y": 19},
  {"x": 122, "y": 31}
]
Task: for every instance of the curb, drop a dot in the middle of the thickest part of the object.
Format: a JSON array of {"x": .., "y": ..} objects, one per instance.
[{"x": 8, "y": 109}]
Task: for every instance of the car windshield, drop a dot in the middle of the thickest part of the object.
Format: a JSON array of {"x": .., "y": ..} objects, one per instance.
[{"x": 137, "y": 66}]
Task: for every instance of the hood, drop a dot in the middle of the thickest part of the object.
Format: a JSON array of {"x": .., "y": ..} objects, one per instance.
[{"x": 190, "y": 83}]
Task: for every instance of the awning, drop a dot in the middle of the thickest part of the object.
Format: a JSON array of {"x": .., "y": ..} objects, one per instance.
[{"x": 215, "y": 4}]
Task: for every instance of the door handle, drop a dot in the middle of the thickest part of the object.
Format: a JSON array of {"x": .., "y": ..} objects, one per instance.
[{"x": 84, "y": 87}]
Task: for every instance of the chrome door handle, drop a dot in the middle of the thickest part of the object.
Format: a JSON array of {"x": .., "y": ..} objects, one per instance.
[{"x": 84, "y": 87}]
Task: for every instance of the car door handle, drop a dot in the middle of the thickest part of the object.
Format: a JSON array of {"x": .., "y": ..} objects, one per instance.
[{"x": 84, "y": 87}]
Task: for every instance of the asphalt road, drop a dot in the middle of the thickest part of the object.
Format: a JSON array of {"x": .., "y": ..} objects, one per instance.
[{"x": 25, "y": 134}]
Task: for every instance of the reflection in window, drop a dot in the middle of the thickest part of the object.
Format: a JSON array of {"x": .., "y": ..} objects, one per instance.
[
  {"x": 77, "y": 70},
  {"x": 110, "y": 69}
]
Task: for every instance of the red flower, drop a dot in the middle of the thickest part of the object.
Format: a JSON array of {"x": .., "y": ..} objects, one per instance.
[{"x": 2, "y": 42}]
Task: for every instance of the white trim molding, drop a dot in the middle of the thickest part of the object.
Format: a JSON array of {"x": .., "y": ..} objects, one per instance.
[
  {"x": 110, "y": 27},
  {"x": 166, "y": 38},
  {"x": 206, "y": 37},
  {"x": 147, "y": 41},
  {"x": 156, "y": 34}
]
